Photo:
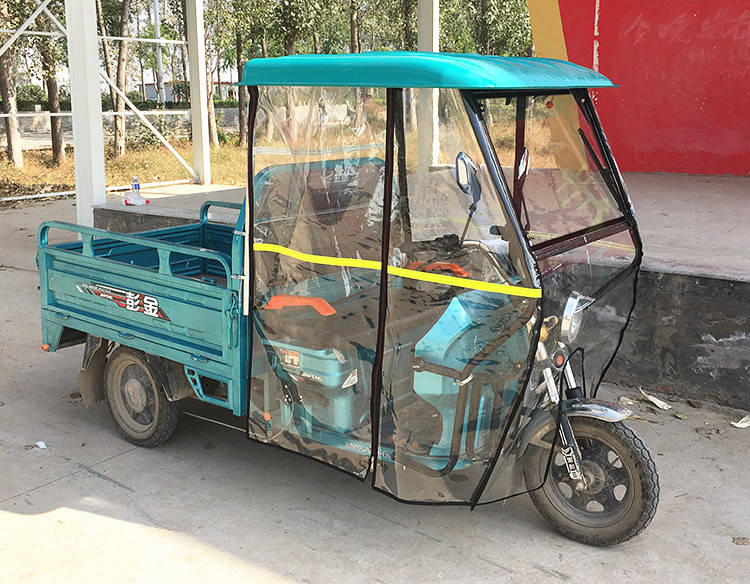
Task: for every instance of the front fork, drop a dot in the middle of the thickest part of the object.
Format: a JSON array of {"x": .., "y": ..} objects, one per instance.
[{"x": 568, "y": 445}]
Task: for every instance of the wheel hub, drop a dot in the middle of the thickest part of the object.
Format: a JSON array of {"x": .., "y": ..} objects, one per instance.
[
  {"x": 595, "y": 477},
  {"x": 135, "y": 395}
]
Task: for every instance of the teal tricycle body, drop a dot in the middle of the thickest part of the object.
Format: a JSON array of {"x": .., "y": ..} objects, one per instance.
[{"x": 430, "y": 273}]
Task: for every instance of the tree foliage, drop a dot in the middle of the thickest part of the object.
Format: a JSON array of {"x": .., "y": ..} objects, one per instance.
[{"x": 239, "y": 30}]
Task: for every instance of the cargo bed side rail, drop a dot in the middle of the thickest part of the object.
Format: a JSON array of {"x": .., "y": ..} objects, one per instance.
[
  {"x": 203, "y": 214},
  {"x": 163, "y": 249}
]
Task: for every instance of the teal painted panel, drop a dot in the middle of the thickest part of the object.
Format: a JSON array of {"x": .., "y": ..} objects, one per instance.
[
  {"x": 419, "y": 69},
  {"x": 190, "y": 321}
]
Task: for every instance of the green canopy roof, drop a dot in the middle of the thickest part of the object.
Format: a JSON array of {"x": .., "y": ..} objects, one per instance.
[{"x": 416, "y": 69}]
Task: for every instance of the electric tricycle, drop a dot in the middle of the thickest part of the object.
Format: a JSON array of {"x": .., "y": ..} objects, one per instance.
[{"x": 432, "y": 270}]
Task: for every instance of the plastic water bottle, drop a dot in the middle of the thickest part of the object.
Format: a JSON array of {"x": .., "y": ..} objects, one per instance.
[{"x": 134, "y": 196}]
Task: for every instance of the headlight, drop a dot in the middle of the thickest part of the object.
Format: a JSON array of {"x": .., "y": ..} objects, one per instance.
[{"x": 573, "y": 315}]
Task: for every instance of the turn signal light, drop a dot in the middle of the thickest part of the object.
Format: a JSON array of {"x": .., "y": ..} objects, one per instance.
[{"x": 45, "y": 347}]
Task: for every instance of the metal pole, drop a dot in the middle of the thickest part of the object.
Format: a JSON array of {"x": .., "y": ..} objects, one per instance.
[
  {"x": 159, "y": 67},
  {"x": 88, "y": 135},
  {"x": 428, "y": 39},
  {"x": 198, "y": 90},
  {"x": 143, "y": 120},
  {"x": 24, "y": 26},
  {"x": 149, "y": 125}
]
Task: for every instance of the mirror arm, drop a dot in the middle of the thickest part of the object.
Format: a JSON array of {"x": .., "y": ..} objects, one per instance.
[{"x": 472, "y": 208}]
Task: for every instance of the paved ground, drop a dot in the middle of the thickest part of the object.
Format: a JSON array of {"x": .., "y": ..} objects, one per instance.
[{"x": 211, "y": 506}]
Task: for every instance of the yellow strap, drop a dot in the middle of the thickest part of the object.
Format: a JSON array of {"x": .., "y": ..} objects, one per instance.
[
  {"x": 402, "y": 272},
  {"x": 317, "y": 259}
]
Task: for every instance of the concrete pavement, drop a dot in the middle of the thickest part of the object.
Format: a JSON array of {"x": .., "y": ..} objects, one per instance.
[{"x": 211, "y": 506}]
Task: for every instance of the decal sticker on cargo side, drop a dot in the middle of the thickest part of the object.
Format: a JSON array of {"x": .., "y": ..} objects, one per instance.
[{"x": 127, "y": 299}]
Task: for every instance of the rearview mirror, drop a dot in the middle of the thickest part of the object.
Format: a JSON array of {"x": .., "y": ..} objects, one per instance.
[
  {"x": 467, "y": 177},
  {"x": 523, "y": 167}
]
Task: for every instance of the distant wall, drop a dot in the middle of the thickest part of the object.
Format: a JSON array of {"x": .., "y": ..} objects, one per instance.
[
  {"x": 178, "y": 121},
  {"x": 683, "y": 67}
]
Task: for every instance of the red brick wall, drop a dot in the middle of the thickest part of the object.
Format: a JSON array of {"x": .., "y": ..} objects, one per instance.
[{"x": 683, "y": 67}]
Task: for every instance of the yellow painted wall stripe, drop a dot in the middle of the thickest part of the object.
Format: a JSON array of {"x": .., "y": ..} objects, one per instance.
[
  {"x": 402, "y": 272},
  {"x": 547, "y": 29}
]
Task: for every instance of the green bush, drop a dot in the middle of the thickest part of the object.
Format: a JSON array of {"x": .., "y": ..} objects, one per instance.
[
  {"x": 107, "y": 101},
  {"x": 142, "y": 137},
  {"x": 181, "y": 90},
  {"x": 29, "y": 106},
  {"x": 30, "y": 93},
  {"x": 225, "y": 103}
]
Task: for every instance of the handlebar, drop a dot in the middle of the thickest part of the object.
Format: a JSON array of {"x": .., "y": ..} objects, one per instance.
[{"x": 440, "y": 266}]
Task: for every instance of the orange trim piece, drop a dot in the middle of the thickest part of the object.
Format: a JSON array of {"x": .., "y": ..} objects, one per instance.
[
  {"x": 281, "y": 301},
  {"x": 440, "y": 266}
]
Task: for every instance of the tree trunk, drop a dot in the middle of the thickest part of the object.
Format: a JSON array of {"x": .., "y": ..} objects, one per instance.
[
  {"x": 105, "y": 48},
  {"x": 316, "y": 42},
  {"x": 409, "y": 45},
  {"x": 122, "y": 80},
  {"x": 290, "y": 127},
  {"x": 183, "y": 50},
  {"x": 268, "y": 130},
  {"x": 353, "y": 27},
  {"x": 143, "y": 80},
  {"x": 407, "y": 7},
  {"x": 213, "y": 134},
  {"x": 354, "y": 47},
  {"x": 53, "y": 97},
  {"x": 8, "y": 93},
  {"x": 218, "y": 76},
  {"x": 289, "y": 42},
  {"x": 241, "y": 93},
  {"x": 140, "y": 61},
  {"x": 484, "y": 36},
  {"x": 184, "y": 62},
  {"x": 173, "y": 68}
]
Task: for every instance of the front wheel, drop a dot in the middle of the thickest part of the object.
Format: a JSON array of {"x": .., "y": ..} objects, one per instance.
[{"x": 622, "y": 485}]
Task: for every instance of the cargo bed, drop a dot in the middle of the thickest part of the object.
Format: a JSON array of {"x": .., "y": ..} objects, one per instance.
[{"x": 169, "y": 292}]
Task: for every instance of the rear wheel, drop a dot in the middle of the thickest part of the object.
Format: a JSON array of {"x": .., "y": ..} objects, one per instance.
[
  {"x": 622, "y": 485},
  {"x": 136, "y": 401}
]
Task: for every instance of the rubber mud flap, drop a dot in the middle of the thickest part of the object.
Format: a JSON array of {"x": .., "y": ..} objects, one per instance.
[{"x": 91, "y": 377}]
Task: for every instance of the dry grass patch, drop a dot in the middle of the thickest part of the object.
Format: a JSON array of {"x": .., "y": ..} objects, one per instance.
[{"x": 151, "y": 164}]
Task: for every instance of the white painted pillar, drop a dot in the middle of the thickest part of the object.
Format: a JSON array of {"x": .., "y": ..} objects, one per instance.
[
  {"x": 86, "y": 98},
  {"x": 428, "y": 39},
  {"x": 196, "y": 42},
  {"x": 428, "y": 31}
]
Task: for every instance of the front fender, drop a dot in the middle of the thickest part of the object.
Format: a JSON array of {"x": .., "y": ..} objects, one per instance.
[
  {"x": 594, "y": 408},
  {"x": 543, "y": 422}
]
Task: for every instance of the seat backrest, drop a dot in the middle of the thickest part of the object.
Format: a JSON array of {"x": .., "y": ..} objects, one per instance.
[{"x": 326, "y": 208}]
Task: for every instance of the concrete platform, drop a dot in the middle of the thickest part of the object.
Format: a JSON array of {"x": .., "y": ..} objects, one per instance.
[
  {"x": 691, "y": 225},
  {"x": 690, "y": 332}
]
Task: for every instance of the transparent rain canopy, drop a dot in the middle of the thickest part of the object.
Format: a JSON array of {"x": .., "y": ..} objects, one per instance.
[
  {"x": 455, "y": 357},
  {"x": 441, "y": 281},
  {"x": 567, "y": 203},
  {"x": 318, "y": 188}
]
